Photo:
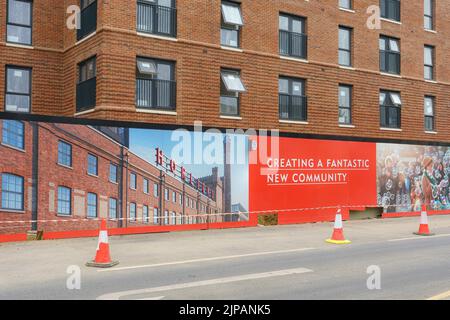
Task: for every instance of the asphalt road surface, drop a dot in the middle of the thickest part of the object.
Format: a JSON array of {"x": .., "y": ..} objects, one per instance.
[{"x": 282, "y": 262}]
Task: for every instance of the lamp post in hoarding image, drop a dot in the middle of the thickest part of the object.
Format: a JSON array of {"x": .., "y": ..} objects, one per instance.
[{"x": 232, "y": 157}]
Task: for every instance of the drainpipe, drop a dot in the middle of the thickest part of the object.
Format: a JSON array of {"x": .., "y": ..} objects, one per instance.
[
  {"x": 120, "y": 178},
  {"x": 34, "y": 176}
]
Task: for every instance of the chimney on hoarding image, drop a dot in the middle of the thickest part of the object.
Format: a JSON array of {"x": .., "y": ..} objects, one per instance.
[{"x": 227, "y": 177}]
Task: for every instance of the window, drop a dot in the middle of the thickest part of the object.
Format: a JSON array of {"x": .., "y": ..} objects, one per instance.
[
  {"x": 112, "y": 208},
  {"x": 157, "y": 17},
  {"x": 390, "y": 109},
  {"x": 18, "y": 89},
  {"x": 166, "y": 194},
  {"x": 345, "y": 46},
  {"x": 12, "y": 192},
  {"x": 231, "y": 86},
  {"x": 292, "y": 99},
  {"x": 155, "y": 84},
  {"x": 112, "y": 173},
  {"x": 428, "y": 22},
  {"x": 292, "y": 36},
  {"x": 133, "y": 181},
  {"x": 88, "y": 17},
  {"x": 166, "y": 217},
  {"x": 64, "y": 201},
  {"x": 12, "y": 134},
  {"x": 346, "y": 4},
  {"x": 91, "y": 205},
  {"x": 87, "y": 83},
  {"x": 155, "y": 216},
  {"x": 174, "y": 197},
  {"x": 155, "y": 190},
  {"x": 145, "y": 186},
  {"x": 64, "y": 154},
  {"x": 20, "y": 18},
  {"x": 145, "y": 214},
  {"x": 389, "y": 55},
  {"x": 429, "y": 63},
  {"x": 133, "y": 211},
  {"x": 390, "y": 9},
  {"x": 345, "y": 104},
  {"x": 429, "y": 113},
  {"x": 231, "y": 24},
  {"x": 174, "y": 218},
  {"x": 181, "y": 199},
  {"x": 92, "y": 165}
]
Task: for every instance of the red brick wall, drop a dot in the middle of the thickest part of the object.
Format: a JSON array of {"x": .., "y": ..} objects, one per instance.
[{"x": 199, "y": 58}]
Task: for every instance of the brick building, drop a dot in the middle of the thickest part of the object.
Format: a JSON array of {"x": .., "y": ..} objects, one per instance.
[
  {"x": 66, "y": 176},
  {"x": 309, "y": 67}
]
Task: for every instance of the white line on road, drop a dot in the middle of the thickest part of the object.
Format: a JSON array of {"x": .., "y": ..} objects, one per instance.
[
  {"x": 441, "y": 296},
  {"x": 205, "y": 259},
  {"x": 420, "y": 237},
  {"x": 279, "y": 273}
]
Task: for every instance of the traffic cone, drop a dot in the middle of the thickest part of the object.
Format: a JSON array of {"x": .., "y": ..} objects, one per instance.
[
  {"x": 424, "y": 230},
  {"x": 338, "y": 232},
  {"x": 102, "y": 257}
]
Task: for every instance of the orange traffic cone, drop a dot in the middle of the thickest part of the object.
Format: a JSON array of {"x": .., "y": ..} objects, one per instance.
[
  {"x": 424, "y": 230},
  {"x": 102, "y": 257},
  {"x": 338, "y": 232}
]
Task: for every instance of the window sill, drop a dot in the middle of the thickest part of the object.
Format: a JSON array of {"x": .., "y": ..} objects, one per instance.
[
  {"x": 84, "y": 112},
  {"x": 391, "y": 129},
  {"x": 294, "y": 59},
  {"x": 349, "y": 126},
  {"x": 391, "y": 21},
  {"x": 431, "y": 81},
  {"x": 18, "y": 45},
  {"x": 59, "y": 215},
  {"x": 347, "y": 67},
  {"x": 347, "y": 10},
  {"x": 293, "y": 122},
  {"x": 12, "y": 211},
  {"x": 431, "y": 31},
  {"x": 92, "y": 175},
  {"x": 231, "y": 117},
  {"x": 11, "y": 147},
  {"x": 231, "y": 49},
  {"x": 86, "y": 38},
  {"x": 155, "y": 36},
  {"x": 64, "y": 166},
  {"x": 431, "y": 132},
  {"x": 114, "y": 182},
  {"x": 168, "y": 113},
  {"x": 391, "y": 75}
]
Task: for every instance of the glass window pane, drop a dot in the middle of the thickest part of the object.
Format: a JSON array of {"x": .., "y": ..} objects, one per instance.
[
  {"x": 19, "y": 34},
  {"x": 344, "y": 116},
  {"x": 283, "y": 86},
  {"x": 382, "y": 44},
  {"x": 233, "y": 82},
  {"x": 428, "y": 73},
  {"x": 428, "y": 9},
  {"x": 344, "y": 96},
  {"x": 12, "y": 133},
  {"x": 346, "y": 4},
  {"x": 344, "y": 38},
  {"x": 428, "y": 106},
  {"x": 284, "y": 23},
  {"x": 232, "y": 14},
  {"x": 428, "y": 56},
  {"x": 297, "y": 88},
  {"x": 146, "y": 66},
  {"x": 229, "y": 37},
  {"x": 17, "y": 103},
  {"x": 18, "y": 81},
  {"x": 396, "y": 98},
  {"x": 229, "y": 106},
  {"x": 19, "y": 12},
  {"x": 344, "y": 58},
  {"x": 382, "y": 98},
  {"x": 297, "y": 26},
  {"x": 393, "y": 44}
]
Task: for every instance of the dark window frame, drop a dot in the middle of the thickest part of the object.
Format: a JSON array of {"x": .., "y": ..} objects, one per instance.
[
  {"x": 110, "y": 207},
  {"x": 430, "y": 117},
  {"x": 428, "y": 66},
  {"x": 30, "y": 88},
  {"x": 343, "y": 7},
  {"x": 70, "y": 154},
  {"x": 81, "y": 33},
  {"x": 132, "y": 205},
  {"x": 113, "y": 165},
  {"x": 64, "y": 200},
  {"x": 290, "y": 96},
  {"x": 350, "y": 44},
  {"x": 89, "y": 157},
  {"x": 390, "y": 107},
  {"x": 290, "y": 34},
  {"x": 387, "y": 14},
  {"x": 430, "y": 17},
  {"x": 91, "y": 205},
  {"x": 224, "y": 93},
  {"x": 86, "y": 86},
  {"x": 22, "y": 194},
  {"x": 350, "y": 107},
  {"x": 133, "y": 186},
  {"x": 230, "y": 27},
  {"x": 8, "y": 23},
  {"x": 387, "y": 51},
  {"x": 155, "y": 18}
]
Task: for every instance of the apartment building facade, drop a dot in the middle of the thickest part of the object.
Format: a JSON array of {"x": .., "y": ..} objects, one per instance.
[
  {"x": 311, "y": 67},
  {"x": 62, "y": 177}
]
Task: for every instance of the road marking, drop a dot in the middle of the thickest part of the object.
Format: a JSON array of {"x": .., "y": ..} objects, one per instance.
[
  {"x": 153, "y": 298},
  {"x": 441, "y": 296},
  {"x": 420, "y": 237},
  {"x": 279, "y": 273},
  {"x": 205, "y": 259}
]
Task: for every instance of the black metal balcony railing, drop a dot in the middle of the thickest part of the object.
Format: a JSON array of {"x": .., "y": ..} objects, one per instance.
[
  {"x": 156, "y": 19},
  {"x": 390, "y": 117},
  {"x": 156, "y": 94},
  {"x": 293, "y": 44},
  {"x": 293, "y": 107},
  {"x": 88, "y": 21},
  {"x": 86, "y": 94},
  {"x": 390, "y": 62}
]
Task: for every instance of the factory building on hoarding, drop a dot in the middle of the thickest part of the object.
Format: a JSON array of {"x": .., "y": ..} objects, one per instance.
[{"x": 60, "y": 177}]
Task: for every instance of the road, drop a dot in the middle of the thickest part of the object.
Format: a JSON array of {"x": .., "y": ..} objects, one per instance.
[{"x": 282, "y": 262}]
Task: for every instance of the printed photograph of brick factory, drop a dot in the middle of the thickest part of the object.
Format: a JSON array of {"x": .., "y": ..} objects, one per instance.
[{"x": 62, "y": 177}]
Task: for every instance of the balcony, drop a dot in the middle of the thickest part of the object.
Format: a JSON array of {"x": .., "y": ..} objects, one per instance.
[
  {"x": 293, "y": 108},
  {"x": 293, "y": 44},
  {"x": 158, "y": 20},
  {"x": 156, "y": 94},
  {"x": 86, "y": 95},
  {"x": 88, "y": 21}
]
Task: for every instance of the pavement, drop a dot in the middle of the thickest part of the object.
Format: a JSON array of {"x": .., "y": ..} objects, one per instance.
[{"x": 267, "y": 263}]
